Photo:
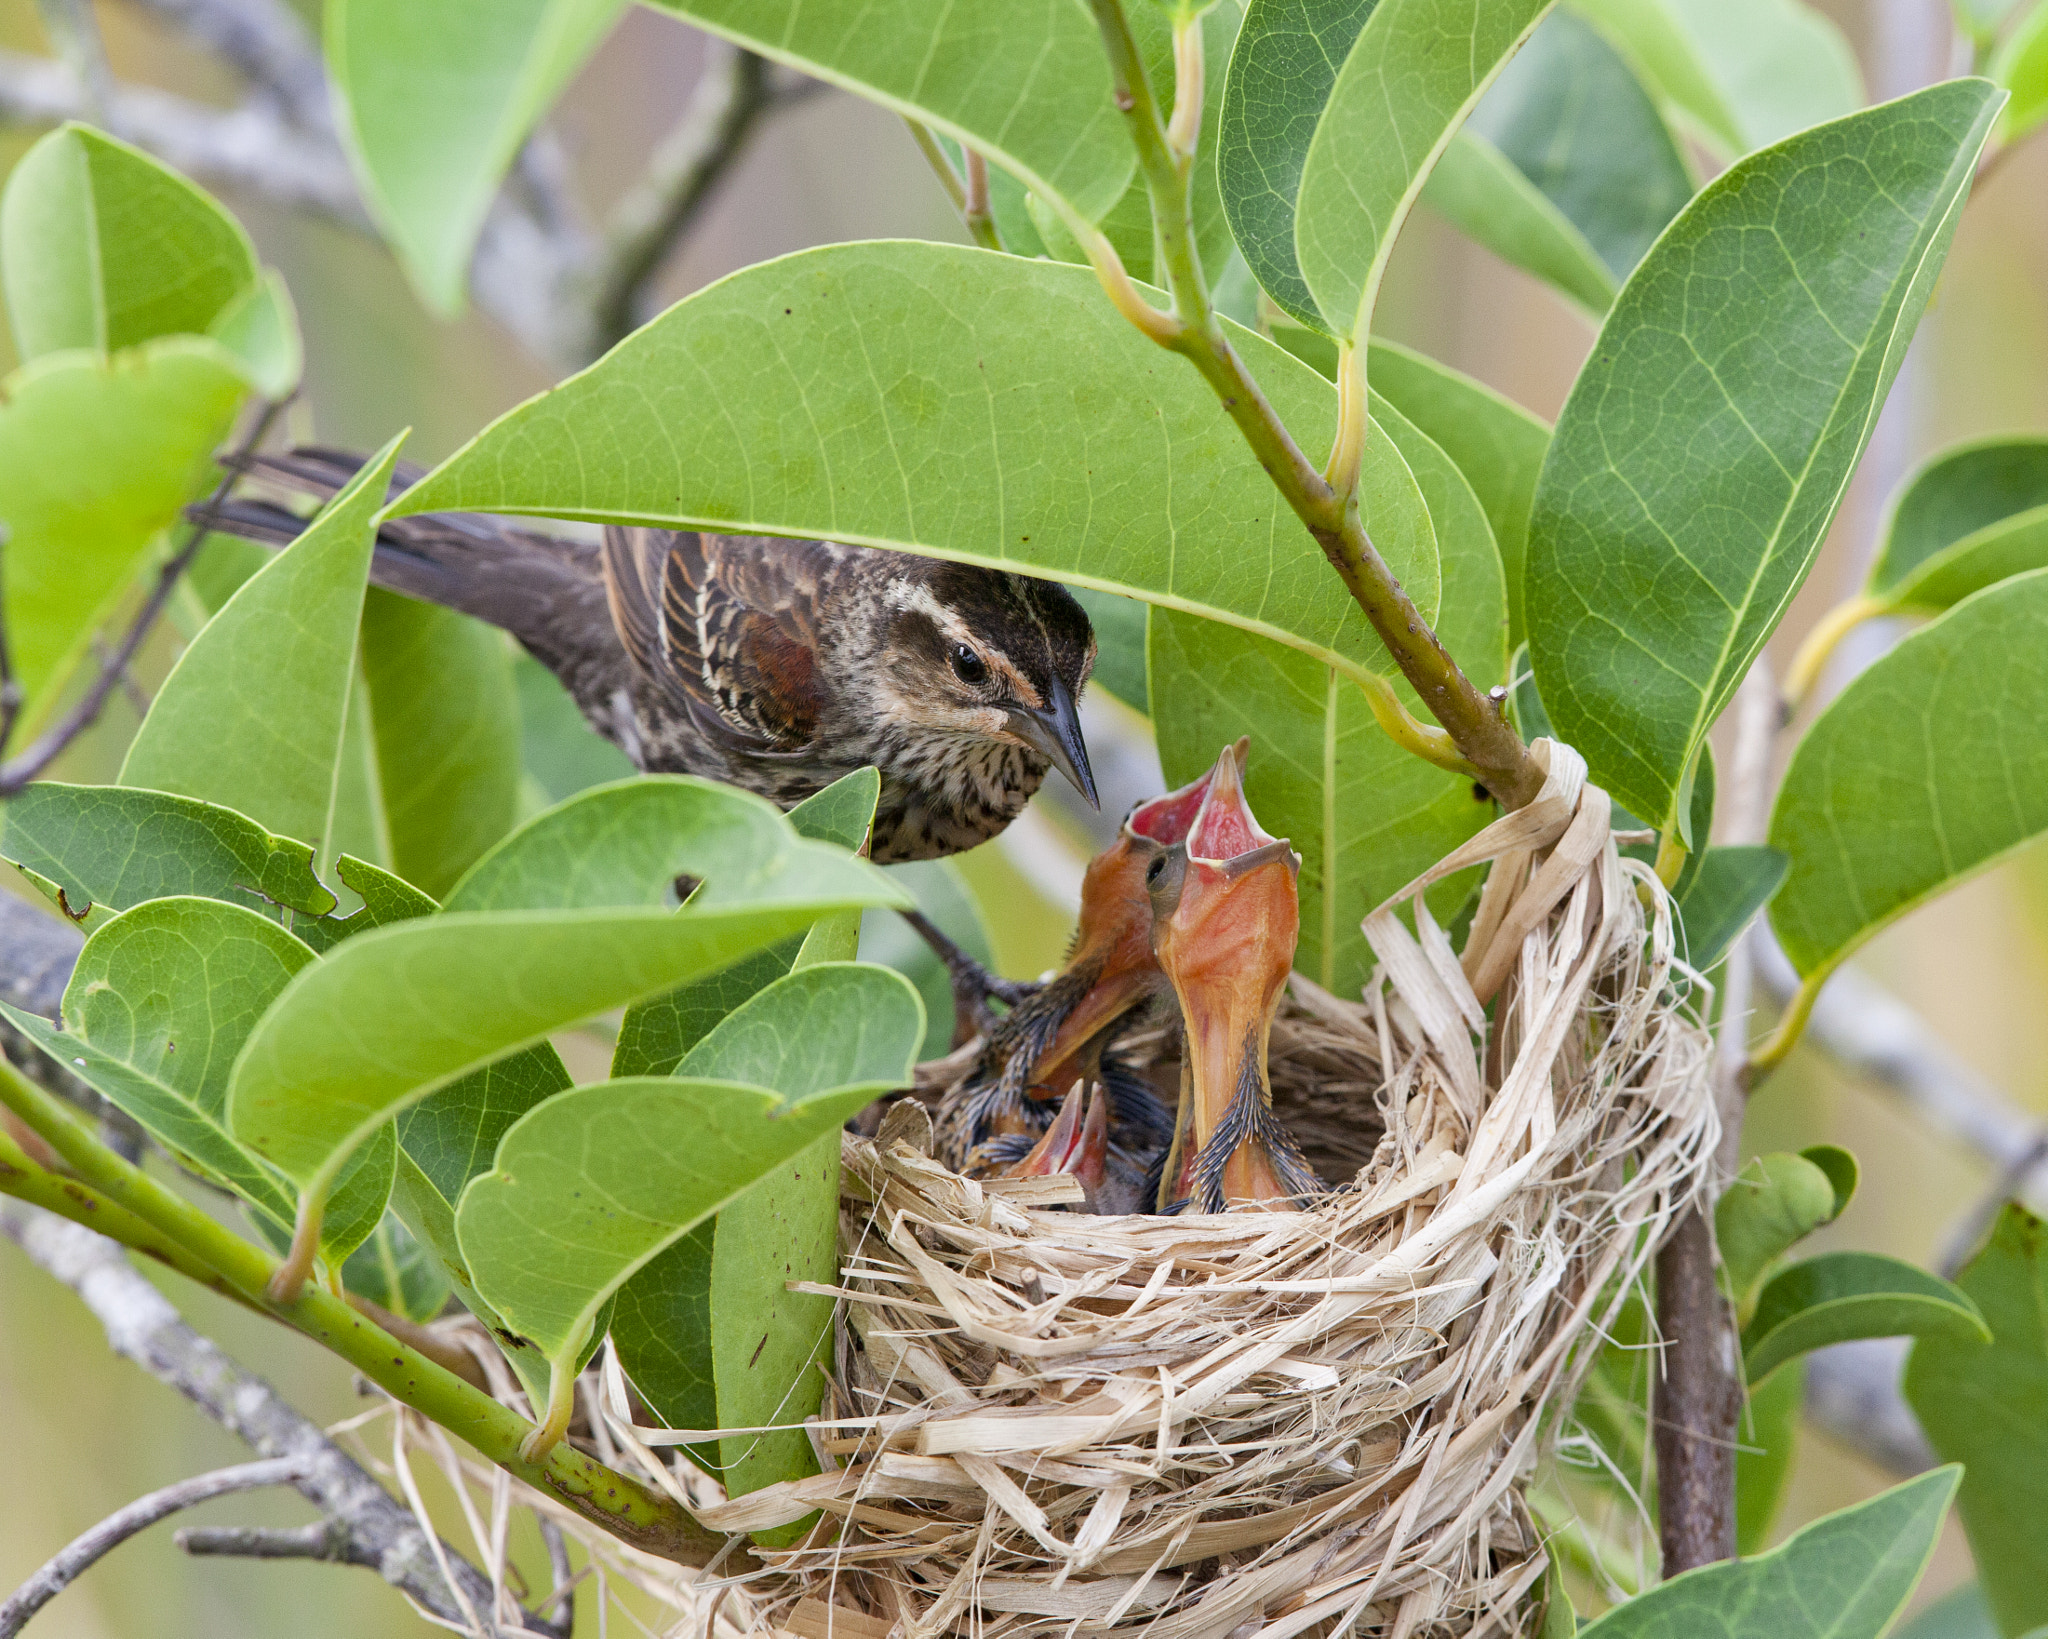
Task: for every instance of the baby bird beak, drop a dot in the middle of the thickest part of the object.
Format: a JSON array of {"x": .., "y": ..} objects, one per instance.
[
  {"x": 1225, "y": 923},
  {"x": 1054, "y": 732},
  {"x": 1073, "y": 1144}
]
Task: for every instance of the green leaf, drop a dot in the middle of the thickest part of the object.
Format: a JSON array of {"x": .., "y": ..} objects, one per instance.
[
  {"x": 385, "y": 899},
  {"x": 1485, "y": 196},
  {"x": 1844, "y": 1577},
  {"x": 396, "y": 1272},
  {"x": 1769, "y": 1436},
  {"x": 1025, "y": 83},
  {"x": 1842, "y": 1170},
  {"x": 161, "y": 999},
  {"x": 1988, "y": 1408},
  {"x": 559, "y": 750},
  {"x": 591, "y": 1185},
  {"x": 1960, "y": 492},
  {"x": 101, "y": 247},
  {"x": 2021, "y": 66},
  {"x": 436, "y": 98},
  {"x": 1119, "y": 646},
  {"x": 1371, "y": 152},
  {"x": 1747, "y": 72},
  {"x": 1728, "y": 887},
  {"x": 886, "y": 939},
  {"x": 1497, "y": 445},
  {"x": 1281, "y": 72},
  {"x": 842, "y": 813},
  {"x": 1095, "y": 463},
  {"x": 444, "y": 722},
  {"x": 97, "y": 456},
  {"x": 1840, "y": 1296},
  {"x": 1774, "y": 1202},
  {"x": 1929, "y": 767},
  {"x": 260, "y": 328},
  {"x": 1707, "y": 444},
  {"x": 1995, "y": 553},
  {"x": 564, "y": 919},
  {"x": 1958, "y": 1615},
  {"x": 1365, "y": 816},
  {"x": 1570, "y": 117},
  {"x": 251, "y": 716},
  {"x": 112, "y": 849}
]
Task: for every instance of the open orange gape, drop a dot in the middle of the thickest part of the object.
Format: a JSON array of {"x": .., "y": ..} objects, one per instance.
[{"x": 1310, "y": 1418}]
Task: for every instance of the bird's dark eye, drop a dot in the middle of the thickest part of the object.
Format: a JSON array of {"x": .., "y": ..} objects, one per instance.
[
  {"x": 1156, "y": 869},
  {"x": 968, "y": 666}
]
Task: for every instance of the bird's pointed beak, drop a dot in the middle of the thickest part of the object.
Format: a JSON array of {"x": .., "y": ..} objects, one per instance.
[
  {"x": 1061, "y": 1146},
  {"x": 1168, "y": 819},
  {"x": 1054, "y": 731},
  {"x": 1227, "y": 946}
]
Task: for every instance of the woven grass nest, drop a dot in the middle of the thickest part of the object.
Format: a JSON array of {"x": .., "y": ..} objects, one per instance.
[{"x": 1274, "y": 1423}]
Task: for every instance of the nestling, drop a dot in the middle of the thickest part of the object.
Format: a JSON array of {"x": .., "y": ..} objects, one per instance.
[{"x": 774, "y": 665}]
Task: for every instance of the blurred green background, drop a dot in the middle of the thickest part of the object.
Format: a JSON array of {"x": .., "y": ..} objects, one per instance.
[{"x": 89, "y": 1432}]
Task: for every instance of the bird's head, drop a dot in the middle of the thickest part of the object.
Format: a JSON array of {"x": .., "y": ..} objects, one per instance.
[{"x": 978, "y": 654}]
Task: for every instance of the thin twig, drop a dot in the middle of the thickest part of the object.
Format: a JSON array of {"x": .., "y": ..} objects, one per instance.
[
  {"x": 142, "y": 1326},
  {"x": 64, "y": 1566},
  {"x": 267, "y": 43},
  {"x": 729, "y": 98},
  {"x": 323, "y": 1540},
  {"x": 974, "y": 204},
  {"x": 16, "y": 774}
]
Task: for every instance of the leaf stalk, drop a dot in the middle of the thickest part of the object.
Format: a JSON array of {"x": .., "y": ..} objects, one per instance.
[
  {"x": 1476, "y": 725},
  {"x": 1820, "y": 643}
]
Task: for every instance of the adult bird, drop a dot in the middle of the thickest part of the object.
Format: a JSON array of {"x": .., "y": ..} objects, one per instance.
[
  {"x": 1225, "y": 920},
  {"x": 774, "y": 665},
  {"x": 1062, "y": 1031}
]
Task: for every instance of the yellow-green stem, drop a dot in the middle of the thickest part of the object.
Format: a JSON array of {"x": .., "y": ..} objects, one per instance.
[
  {"x": 1474, "y": 721},
  {"x": 1398, "y": 723},
  {"x": 618, "y": 1504},
  {"x": 1671, "y": 854},
  {"x": 1773, "y": 1049},
  {"x": 1822, "y": 641}
]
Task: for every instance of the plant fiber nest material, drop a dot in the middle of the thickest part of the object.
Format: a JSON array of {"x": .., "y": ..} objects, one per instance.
[{"x": 1274, "y": 1423}]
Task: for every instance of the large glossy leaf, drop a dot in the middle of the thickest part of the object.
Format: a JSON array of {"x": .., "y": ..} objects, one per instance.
[
  {"x": 903, "y": 395},
  {"x": 1844, "y": 1577},
  {"x": 564, "y": 919},
  {"x": 1486, "y": 196},
  {"x": 103, "y": 247},
  {"x": 1960, "y": 492},
  {"x": 1364, "y": 815},
  {"x": 96, "y": 457},
  {"x": 1841, "y": 1296},
  {"x": 1498, "y": 445},
  {"x": 1372, "y": 150},
  {"x": 1775, "y": 1201},
  {"x": 1988, "y": 1408},
  {"x": 1281, "y": 73},
  {"x": 1025, "y": 83},
  {"x": 1929, "y": 767},
  {"x": 2021, "y": 66},
  {"x": 1746, "y": 72},
  {"x": 1997, "y": 552},
  {"x": 437, "y": 96},
  {"x": 1569, "y": 115},
  {"x": 592, "y": 1185},
  {"x": 714, "y": 1308},
  {"x": 251, "y": 716},
  {"x": 109, "y": 849},
  {"x": 161, "y": 1000},
  {"x": 444, "y": 724},
  {"x": 1707, "y": 444}
]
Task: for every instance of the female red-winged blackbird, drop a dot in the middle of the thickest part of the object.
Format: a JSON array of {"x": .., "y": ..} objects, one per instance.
[{"x": 774, "y": 665}]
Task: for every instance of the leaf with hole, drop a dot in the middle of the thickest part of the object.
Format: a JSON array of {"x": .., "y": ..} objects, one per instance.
[
  {"x": 1988, "y": 1409},
  {"x": 591, "y": 1186},
  {"x": 111, "y": 849},
  {"x": 1846, "y": 1576},
  {"x": 564, "y": 919},
  {"x": 97, "y": 456},
  {"x": 1693, "y": 475},
  {"x": 1928, "y": 768},
  {"x": 1365, "y": 815},
  {"x": 888, "y": 385},
  {"x": 251, "y": 716},
  {"x": 103, "y": 247},
  {"x": 1840, "y": 1296},
  {"x": 436, "y": 98}
]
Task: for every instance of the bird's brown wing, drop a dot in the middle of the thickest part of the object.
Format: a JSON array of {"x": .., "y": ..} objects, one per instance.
[{"x": 728, "y": 626}]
